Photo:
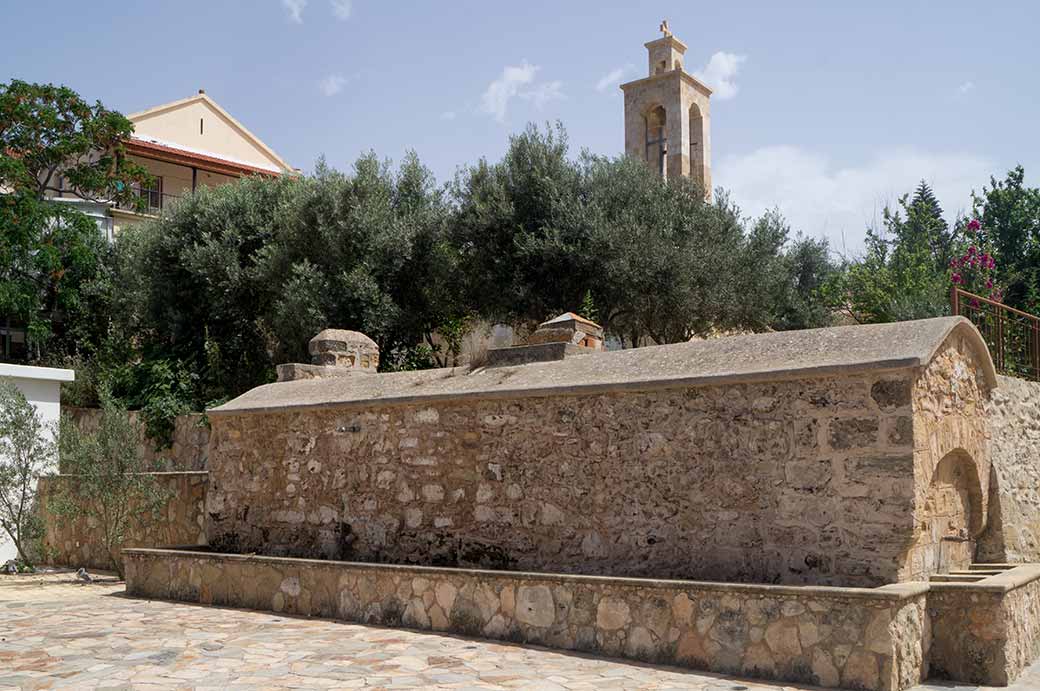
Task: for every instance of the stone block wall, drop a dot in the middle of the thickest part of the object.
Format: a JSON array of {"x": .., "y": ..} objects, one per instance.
[
  {"x": 987, "y": 632},
  {"x": 80, "y": 543},
  {"x": 190, "y": 446},
  {"x": 799, "y": 481},
  {"x": 852, "y": 638},
  {"x": 1013, "y": 532}
]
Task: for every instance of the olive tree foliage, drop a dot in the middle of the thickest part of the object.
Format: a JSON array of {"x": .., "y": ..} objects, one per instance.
[
  {"x": 197, "y": 294},
  {"x": 52, "y": 140},
  {"x": 367, "y": 251},
  {"x": 238, "y": 278},
  {"x": 27, "y": 451},
  {"x": 539, "y": 234},
  {"x": 105, "y": 480}
]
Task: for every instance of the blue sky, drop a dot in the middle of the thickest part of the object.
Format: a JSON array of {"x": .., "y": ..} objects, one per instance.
[{"x": 827, "y": 110}]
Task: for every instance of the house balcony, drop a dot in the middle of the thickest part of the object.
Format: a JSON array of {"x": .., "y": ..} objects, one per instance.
[{"x": 148, "y": 202}]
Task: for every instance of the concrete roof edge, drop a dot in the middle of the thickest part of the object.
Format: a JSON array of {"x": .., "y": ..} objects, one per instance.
[
  {"x": 766, "y": 357},
  {"x": 34, "y": 372},
  {"x": 583, "y": 389}
]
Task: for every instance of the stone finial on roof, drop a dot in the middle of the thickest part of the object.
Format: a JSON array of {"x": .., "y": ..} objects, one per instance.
[
  {"x": 334, "y": 353},
  {"x": 342, "y": 348},
  {"x": 560, "y": 337},
  {"x": 664, "y": 28},
  {"x": 569, "y": 328}
]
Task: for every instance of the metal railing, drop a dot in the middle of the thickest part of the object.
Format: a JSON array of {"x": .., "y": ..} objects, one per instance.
[
  {"x": 1013, "y": 336},
  {"x": 148, "y": 202}
]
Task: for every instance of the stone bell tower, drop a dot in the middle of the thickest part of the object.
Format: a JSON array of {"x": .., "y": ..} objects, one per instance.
[{"x": 667, "y": 118}]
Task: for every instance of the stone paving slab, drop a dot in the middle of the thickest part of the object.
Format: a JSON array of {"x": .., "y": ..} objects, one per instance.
[{"x": 58, "y": 633}]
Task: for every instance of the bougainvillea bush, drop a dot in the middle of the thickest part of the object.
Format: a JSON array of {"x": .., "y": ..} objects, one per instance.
[{"x": 975, "y": 269}]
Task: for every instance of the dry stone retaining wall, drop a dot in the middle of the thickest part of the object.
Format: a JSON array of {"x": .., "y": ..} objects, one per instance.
[
  {"x": 853, "y": 638},
  {"x": 79, "y": 543},
  {"x": 1013, "y": 534},
  {"x": 190, "y": 446}
]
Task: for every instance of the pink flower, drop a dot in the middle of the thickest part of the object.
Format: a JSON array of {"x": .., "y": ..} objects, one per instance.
[
  {"x": 974, "y": 225},
  {"x": 956, "y": 278},
  {"x": 972, "y": 250},
  {"x": 989, "y": 283}
]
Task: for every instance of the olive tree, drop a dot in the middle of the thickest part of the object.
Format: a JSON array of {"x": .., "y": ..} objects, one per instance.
[
  {"x": 105, "y": 481},
  {"x": 27, "y": 450}
]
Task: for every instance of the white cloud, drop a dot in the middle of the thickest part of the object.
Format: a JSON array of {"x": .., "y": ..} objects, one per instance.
[
  {"x": 295, "y": 9},
  {"x": 613, "y": 78},
  {"x": 540, "y": 94},
  {"x": 342, "y": 9},
  {"x": 332, "y": 84},
  {"x": 966, "y": 87},
  {"x": 822, "y": 199},
  {"x": 495, "y": 100},
  {"x": 720, "y": 72},
  {"x": 518, "y": 81},
  {"x": 449, "y": 115}
]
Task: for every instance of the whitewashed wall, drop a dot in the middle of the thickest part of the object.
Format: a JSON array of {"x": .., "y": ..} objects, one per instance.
[{"x": 42, "y": 387}]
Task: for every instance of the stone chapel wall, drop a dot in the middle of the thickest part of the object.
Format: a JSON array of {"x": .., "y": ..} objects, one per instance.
[{"x": 802, "y": 481}]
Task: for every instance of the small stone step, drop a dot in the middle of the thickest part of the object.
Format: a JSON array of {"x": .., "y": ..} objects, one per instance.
[
  {"x": 977, "y": 572},
  {"x": 955, "y": 578},
  {"x": 991, "y": 567}
]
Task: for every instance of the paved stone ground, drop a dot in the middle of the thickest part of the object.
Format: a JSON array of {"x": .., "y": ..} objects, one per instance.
[{"x": 55, "y": 632}]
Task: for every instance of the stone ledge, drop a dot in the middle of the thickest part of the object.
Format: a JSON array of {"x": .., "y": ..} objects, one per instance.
[
  {"x": 1012, "y": 579},
  {"x": 295, "y": 371},
  {"x": 157, "y": 473},
  {"x": 894, "y": 592},
  {"x": 535, "y": 352}
]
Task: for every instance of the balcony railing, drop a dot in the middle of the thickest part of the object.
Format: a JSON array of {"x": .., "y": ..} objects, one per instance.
[
  {"x": 148, "y": 202},
  {"x": 1013, "y": 336}
]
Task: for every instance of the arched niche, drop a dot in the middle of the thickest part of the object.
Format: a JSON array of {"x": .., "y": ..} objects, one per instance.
[
  {"x": 656, "y": 119},
  {"x": 697, "y": 148},
  {"x": 953, "y": 515}
]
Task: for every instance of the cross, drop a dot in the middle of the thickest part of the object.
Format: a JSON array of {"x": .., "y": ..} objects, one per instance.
[{"x": 664, "y": 28}]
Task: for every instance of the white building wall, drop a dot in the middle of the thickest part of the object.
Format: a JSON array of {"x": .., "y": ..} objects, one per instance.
[{"x": 42, "y": 388}]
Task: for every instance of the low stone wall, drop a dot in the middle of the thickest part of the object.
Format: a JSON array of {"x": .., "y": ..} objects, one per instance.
[
  {"x": 1013, "y": 533},
  {"x": 189, "y": 451},
  {"x": 79, "y": 543},
  {"x": 986, "y": 632},
  {"x": 849, "y": 637}
]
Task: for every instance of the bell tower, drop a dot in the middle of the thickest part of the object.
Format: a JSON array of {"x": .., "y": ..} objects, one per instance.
[{"x": 667, "y": 118}]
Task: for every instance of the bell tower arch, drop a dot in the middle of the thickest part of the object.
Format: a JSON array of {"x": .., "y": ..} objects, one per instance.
[{"x": 667, "y": 115}]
